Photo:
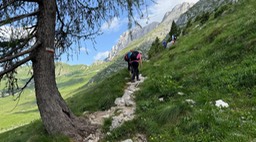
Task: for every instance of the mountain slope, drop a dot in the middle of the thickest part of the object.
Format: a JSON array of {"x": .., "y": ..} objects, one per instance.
[
  {"x": 201, "y": 7},
  {"x": 72, "y": 78},
  {"x": 137, "y": 33},
  {"x": 127, "y": 37},
  {"x": 175, "y": 13},
  {"x": 214, "y": 61},
  {"x": 142, "y": 43}
]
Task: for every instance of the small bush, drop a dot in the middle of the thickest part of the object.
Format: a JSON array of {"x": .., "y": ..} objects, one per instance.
[
  {"x": 175, "y": 30},
  {"x": 203, "y": 18}
]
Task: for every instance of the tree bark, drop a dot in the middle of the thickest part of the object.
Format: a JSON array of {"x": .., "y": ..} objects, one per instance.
[{"x": 55, "y": 114}]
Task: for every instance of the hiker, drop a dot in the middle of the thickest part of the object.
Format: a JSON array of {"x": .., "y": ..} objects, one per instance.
[
  {"x": 164, "y": 44},
  {"x": 127, "y": 59},
  {"x": 136, "y": 60},
  {"x": 173, "y": 38},
  {"x": 169, "y": 44}
]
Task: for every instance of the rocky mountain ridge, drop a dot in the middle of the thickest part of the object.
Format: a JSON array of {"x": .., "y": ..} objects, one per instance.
[
  {"x": 175, "y": 13},
  {"x": 129, "y": 36},
  {"x": 200, "y": 7},
  {"x": 143, "y": 43},
  {"x": 138, "y": 32},
  {"x": 161, "y": 31}
]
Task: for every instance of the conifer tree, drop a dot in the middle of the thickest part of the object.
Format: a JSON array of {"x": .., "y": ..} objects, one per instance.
[{"x": 174, "y": 30}]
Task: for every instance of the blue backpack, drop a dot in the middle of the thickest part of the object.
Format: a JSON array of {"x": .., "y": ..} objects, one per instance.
[{"x": 127, "y": 56}]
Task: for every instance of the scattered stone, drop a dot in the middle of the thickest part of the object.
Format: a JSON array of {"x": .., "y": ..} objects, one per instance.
[
  {"x": 190, "y": 101},
  {"x": 119, "y": 102},
  {"x": 180, "y": 93},
  {"x": 129, "y": 103},
  {"x": 161, "y": 99},
  {"x": 86, "y": 112},
  {"x": 221, "y": 103},
  {"x": 128, "y": 140}
]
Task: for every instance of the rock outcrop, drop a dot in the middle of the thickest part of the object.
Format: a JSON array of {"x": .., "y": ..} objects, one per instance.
[
  {"x": 127, "y": 37},
  {"x": 200, "y": 7}
]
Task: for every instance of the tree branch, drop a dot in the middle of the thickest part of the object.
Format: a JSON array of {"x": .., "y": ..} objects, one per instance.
[
  {"x": 17, "y": 48},
  {"x": 17, "y": 64},
  {"x": 3, "y": 6},
  {"x": 13, "y": 19},
  {"x": 20, "y": 53},
  {"x": 30, "y": 0},
  {"x": 22, "y": 89},
  {"x": 61, "y": 21},
  {"x": 90, "y": 8}
]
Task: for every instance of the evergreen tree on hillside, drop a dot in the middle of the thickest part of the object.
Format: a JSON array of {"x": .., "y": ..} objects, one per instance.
[
  {"x": 174, "y": 30},
  {"x": 155, "y": 48},
  {"x": 185, "y": 29},
  {"x": 41, "y": 31},
  {"x": 203, "y": 18}
]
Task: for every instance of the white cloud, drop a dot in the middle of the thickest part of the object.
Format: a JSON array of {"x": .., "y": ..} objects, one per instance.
[
  {"x": 101, "y": 55},
  {"x": 155, "y": 13},
  {"x": 84, "y": 50},
  {"x": 8, "y": 32},
  {"x": 113, "y": 25},
  {"x": 157, "y": 10}
]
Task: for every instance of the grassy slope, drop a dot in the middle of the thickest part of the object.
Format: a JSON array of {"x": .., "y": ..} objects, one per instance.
[
  {"x": 99, "y": 96},
  {"x": 214, "y": 61},
  {"x": 69, "y": 78}
]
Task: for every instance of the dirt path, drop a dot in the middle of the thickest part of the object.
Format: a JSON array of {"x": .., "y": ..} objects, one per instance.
[{"x": 123, "y": 111}]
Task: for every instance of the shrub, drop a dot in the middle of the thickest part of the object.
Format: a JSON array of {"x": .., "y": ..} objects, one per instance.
[
  {"x": 174, "y": 30},
  {"x": 203, "y": 18}
]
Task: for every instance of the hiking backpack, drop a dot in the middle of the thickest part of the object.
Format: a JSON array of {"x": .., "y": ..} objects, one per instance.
[
  {"x": 134, "y": 55},
  {"x": 127, "y": 56}
]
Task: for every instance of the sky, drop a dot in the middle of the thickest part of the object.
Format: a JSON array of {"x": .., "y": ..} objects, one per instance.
[{"x": 111, "y": 33}]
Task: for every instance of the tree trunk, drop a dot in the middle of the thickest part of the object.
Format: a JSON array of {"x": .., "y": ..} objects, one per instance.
[{"x": 55, "y": 114}]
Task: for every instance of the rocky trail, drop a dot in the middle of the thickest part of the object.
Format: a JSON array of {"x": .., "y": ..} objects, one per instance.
[{"x": 122, "y": 112}]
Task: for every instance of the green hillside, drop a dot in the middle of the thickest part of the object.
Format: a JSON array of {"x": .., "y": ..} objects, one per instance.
[
  {"x": 24, "y": 110},
  {"x": 214, "y": 60}
]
